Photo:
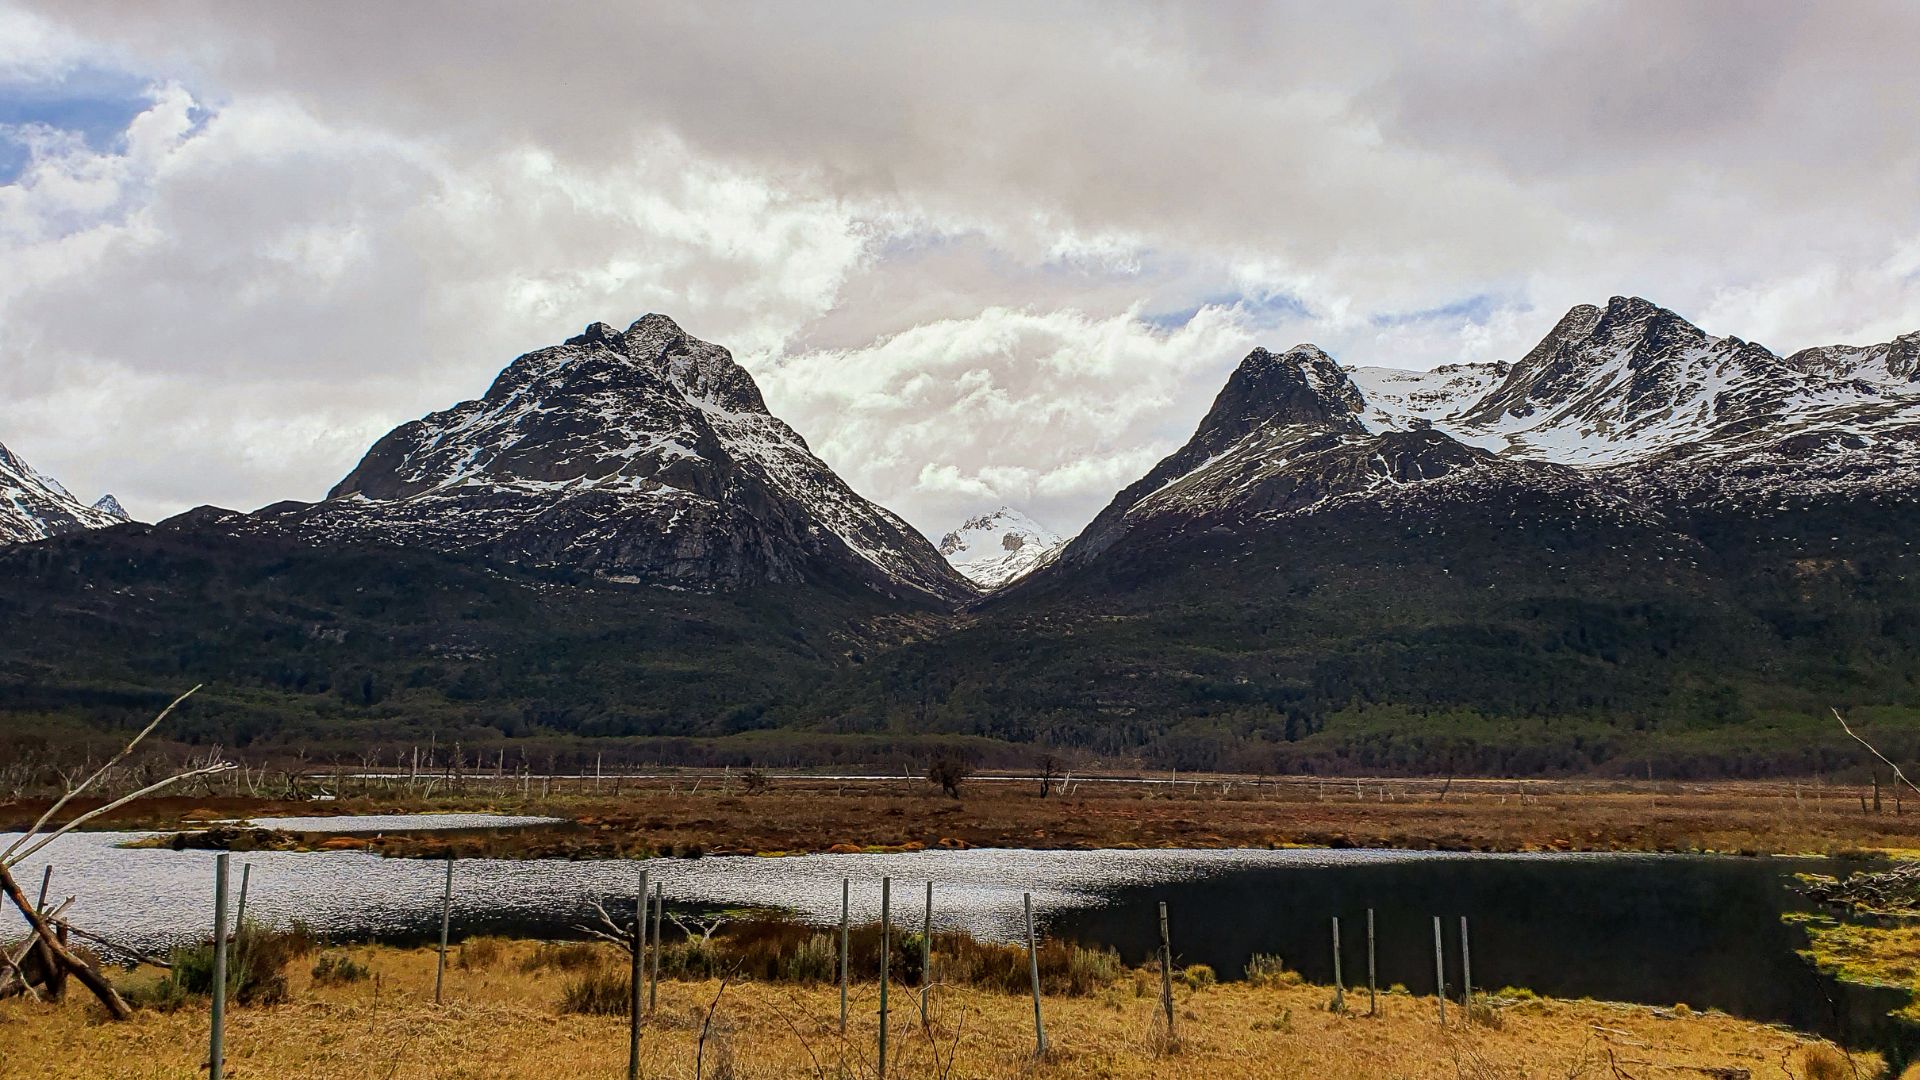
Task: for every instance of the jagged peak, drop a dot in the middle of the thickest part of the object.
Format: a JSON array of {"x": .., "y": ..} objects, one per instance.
[
  {"x": 110, "y": 506},
  {"x": 1301, "y": 385}
]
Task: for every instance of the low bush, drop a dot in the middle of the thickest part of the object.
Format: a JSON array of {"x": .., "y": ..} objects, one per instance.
[
  {"x": 480, "y": 952},
  {"x": 599, "y": 991},
  {"x": 1197, "y": 977},
  {"x": 562, "y": 956},
  {"x": 1267, "y": 970},
  {"x": 257, "y": 960},
  {"x": 335, "y": 968}
]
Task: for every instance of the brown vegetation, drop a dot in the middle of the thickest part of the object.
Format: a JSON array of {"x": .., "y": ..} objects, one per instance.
[
  {"x": 714, "y": 815},
  {"x": 506, "y": 1020}
]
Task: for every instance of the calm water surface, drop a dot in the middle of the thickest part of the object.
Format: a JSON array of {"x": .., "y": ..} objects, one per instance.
[{"x": 1704, "y": 931}]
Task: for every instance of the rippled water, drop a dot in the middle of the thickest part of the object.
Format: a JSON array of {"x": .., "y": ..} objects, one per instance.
[{"x": 1653, "y": 929}]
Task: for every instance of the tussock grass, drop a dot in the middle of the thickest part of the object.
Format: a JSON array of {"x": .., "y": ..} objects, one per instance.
[{"x": 502, "y": 1022}]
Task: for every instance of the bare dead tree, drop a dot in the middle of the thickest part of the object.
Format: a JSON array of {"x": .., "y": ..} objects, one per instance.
[
  {"x": 49, "y": 929},
  {"x": 1875, "y": 752}
]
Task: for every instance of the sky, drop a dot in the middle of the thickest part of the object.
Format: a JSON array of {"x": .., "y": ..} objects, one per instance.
[{"x": 976, "y": 254}]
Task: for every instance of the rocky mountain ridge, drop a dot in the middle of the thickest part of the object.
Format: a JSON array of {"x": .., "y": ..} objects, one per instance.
[
  {"x": 642, "y": 454},
  {"x": 1628, "y": 400},
  {"x": 34, "y": 506},
  {"x": 995, "y": 548}
]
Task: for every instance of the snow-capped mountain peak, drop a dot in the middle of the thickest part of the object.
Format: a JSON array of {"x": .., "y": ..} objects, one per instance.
[
  {"x": 34, "y": 506},
  {"x": 993, "y": 549},
  {"x": 642, "y": 453},
  {"x": 111, "y": 507}
]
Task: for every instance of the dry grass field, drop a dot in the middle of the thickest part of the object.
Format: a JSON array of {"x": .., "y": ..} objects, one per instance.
[
  {"x": 719, "y": 814},
  {"x": 502, "y": 1020}
]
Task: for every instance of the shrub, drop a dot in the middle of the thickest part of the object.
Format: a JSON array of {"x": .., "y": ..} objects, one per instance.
[
  {"x": 257, "y": 960},
  {"x": 1197, "y": 976},
  {"x": 949, "y": 772},
  {"x": 1266, "y": 969},
  {"x": 334, "y": 969},
  {"x": 1822, "y": 1062},
  {"x": 598, "y": 992},
  {"x": 480, "y": 952},
  {"x": 561, "y": 956}
]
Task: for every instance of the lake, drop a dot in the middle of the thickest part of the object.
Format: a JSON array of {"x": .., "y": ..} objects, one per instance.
[{"x": 1654, "y": 929}]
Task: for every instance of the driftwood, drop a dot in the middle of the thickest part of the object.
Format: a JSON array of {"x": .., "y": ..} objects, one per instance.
[{"x": 49, "y": 931}]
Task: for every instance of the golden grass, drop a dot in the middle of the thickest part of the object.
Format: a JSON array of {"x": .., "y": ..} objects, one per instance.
[
  {"x": 501, "y": 1021},
  {"x": 1870, "y": 955}
]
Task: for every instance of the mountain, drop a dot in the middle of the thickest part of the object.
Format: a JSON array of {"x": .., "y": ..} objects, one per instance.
[
  {"x": 34, "y": 506},
  {"x": 1637, "y": 541},
  {"x": 993, "y": 549},
  {"x": 1636, "y": 546},
  {"x": 643, "y": 455},
  {"x": 1637, "y": 402}
]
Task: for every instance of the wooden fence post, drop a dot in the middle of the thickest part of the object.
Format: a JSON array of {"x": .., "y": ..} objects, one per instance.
[
  {"x": 240, "y": 912},
  {"x": 845, "y": 888},
  {"x": 1339, "y": 984},
  {"x": 886, "y": 959},
  {"x": 1373, "y": 986},
  {"x": 1439, "y": 972},
  {"x": 1466, "y": 971},
  {"x": 635, "y": 971},
  {"x": 653, "y": 974},
  {"x": 926, "y": 954},
  {"x": 216, "y": 1040},
  {"x": 446, "y": 912},
  {"x": 1033, "y": 969},
  {"x": 1166, "y": 970}
]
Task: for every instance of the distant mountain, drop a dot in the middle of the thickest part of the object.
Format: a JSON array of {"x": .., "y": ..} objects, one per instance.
[
  {"x": 1630, "y": 403},
  {"x": 34, "y": 506},
  {"x": 641, "y": 454},
  {"x": 1636, "y": 546},
  {"x": 993, "y": 549}
]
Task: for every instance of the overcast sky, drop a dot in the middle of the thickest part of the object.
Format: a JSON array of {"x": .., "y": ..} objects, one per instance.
[{"x": 974, "y": 253}]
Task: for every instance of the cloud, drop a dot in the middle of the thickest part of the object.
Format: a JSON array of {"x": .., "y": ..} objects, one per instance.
[{"x": 996, "y": 252}]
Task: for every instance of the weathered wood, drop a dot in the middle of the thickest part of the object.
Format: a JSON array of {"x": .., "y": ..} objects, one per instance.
[
  {"x": 1166, "y": 970},
  {"x": 845, "y": 928},
  {"x": 1466, "y": 971},
  {"x": 886, "y": 958},
  {"x": 110, "y": 998},
  {"x": 926, "y": 953},
  {"x": 634, "y": 972},
  {"x": 446, "y": 913},
  {"x": 217, "y": 1037},
  {"x": 1033, "y": 970},
  {"x": 1373, "y": 986},
  {"x": 1339, "y": 984},
  {"x": 1439, "y": 971},
  {"x": 653, "y": 975}
]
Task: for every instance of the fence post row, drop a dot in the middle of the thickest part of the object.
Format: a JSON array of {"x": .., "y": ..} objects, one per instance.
[
  {"x": 1033, "y": 969},
  {"x": 635, "y": 972},
  {"x": 216, "y": 1040}
]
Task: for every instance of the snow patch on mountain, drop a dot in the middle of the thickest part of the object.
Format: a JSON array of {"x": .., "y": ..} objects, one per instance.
[
  {"x": 993, "y": 549},
  {"x": 639, "y": 453},
  {"x": 33, "y": 506}
]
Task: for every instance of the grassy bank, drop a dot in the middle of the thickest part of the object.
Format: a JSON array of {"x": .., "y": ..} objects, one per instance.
[
  {"x": 504, "y": 1018},
  {"x": 726, "y": 814}
]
